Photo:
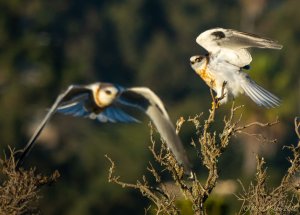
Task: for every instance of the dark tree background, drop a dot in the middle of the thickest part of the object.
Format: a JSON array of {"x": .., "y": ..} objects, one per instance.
[{"x": 47, "y": 45}]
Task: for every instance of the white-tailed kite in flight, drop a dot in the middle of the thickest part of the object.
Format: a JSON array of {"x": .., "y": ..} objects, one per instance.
[{"x": 103, "y": 102}]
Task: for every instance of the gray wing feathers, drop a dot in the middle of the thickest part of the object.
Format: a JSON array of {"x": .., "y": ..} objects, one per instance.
[
  {"x": 74, "y": 107},
  {"x": 151, "y": 97},
  {"x": 259, "y": 95},
  {"x": 113, "y": 114},
  {"x": 218, "y": 38},
  {"x": 238, "y": 39},
  {"x": 167, "y": 132},
  {"x": 109, "y": 114},
  {"x": 52, "y": 110},
  {"x": 232, "y": 44},
  {"x": 159, "y": 116}
]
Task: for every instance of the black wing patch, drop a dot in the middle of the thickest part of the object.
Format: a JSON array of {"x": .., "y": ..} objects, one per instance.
[
  {"x": 218, "y": 34},
  {"x": 134, "y": 99}
]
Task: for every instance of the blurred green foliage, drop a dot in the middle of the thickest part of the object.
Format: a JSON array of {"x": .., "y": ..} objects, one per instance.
[{"x": 47, "y": 45}]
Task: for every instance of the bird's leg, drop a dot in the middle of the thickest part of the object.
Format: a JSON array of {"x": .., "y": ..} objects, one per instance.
[
  {"x": 214, "y": 102},
  {"x": 223, "y": 94},
  {"x": 216, "y": 99}
]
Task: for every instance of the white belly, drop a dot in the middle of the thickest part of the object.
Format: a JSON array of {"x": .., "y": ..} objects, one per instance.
[{"x": 226, "y": 72}]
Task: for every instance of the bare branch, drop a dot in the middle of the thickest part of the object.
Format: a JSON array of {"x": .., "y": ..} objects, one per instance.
[
  {"x": 209, "y": 146},
  {"x": 257, "y": 124},
  {"x": 19, "y": 189},
  {"x": 281, "y": 199}
]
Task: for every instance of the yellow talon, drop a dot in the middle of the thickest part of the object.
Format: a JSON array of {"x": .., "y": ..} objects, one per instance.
[{"x": 215, "y": 104}]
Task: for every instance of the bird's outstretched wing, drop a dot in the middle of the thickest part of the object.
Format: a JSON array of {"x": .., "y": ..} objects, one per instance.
[
  {"x": 69, "y": 93},
  {"x": 147, "y": 101},
  {"x": 78, "y": 101},
  {"x": 232, "y": 44}
]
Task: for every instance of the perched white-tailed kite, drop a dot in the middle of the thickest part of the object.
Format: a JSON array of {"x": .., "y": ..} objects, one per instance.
[
  {"x": 222, "y": 68},
  {"x": 103, "y": 101}
]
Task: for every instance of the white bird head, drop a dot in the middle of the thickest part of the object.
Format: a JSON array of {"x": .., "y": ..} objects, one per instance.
[
  {"x": 197, "y": 61},
  {"x": 104, "y": 93},
  {"x": 107, "y": 94}
]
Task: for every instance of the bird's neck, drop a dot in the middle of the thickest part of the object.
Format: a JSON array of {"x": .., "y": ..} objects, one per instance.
[{"x": 204, "y": 73}]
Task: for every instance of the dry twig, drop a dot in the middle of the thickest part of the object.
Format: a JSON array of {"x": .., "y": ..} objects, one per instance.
[
  {"x": 283, "y": 199},
  {"x": 19, "y": 190},
  {"x": 210, "y": 146}
]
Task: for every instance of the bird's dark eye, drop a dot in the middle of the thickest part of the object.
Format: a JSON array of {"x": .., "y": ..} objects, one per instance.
[
  {"x": 197, "y": 59},
  {"x": 108, "y": 92}
]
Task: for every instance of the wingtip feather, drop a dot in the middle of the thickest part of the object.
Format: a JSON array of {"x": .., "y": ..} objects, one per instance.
[{"x": 261, "y": 96}]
